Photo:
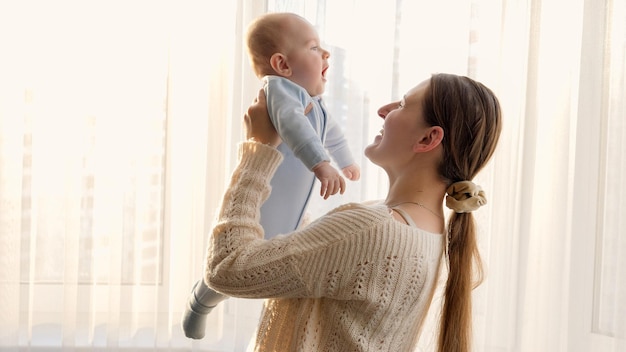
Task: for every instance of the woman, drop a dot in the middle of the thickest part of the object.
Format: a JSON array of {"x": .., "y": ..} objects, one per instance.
[{"x": 362, "y": 277}]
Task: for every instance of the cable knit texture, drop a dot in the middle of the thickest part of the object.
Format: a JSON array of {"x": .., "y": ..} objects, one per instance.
[{"x": 353, "y": 280}]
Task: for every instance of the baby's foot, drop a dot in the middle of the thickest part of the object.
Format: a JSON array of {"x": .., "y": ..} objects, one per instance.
[{"x": 201, "y": 302}]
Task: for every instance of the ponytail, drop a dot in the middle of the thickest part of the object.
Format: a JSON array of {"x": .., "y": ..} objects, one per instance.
[
  {"x": 465, "y": 272},
  {"x": 470, "y": 116}
]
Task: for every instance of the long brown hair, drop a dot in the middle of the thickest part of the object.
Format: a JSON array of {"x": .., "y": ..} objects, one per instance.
[{"x": 470, "y": 116}]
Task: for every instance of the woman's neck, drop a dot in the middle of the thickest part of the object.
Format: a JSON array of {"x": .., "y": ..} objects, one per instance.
[{"x": 422, "y": 188}]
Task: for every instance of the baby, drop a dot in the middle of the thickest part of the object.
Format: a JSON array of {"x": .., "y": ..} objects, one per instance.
[{"x": 286, "y": 54}]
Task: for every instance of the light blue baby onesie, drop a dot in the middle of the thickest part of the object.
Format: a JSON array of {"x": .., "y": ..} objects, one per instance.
[{"x": 306, "y": 140}]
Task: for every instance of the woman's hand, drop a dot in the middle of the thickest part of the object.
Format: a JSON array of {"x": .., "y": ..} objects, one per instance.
[{"x": 258, "y": 125}]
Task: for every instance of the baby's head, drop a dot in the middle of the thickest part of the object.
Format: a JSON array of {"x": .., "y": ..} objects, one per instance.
[{"x": 287, "y": 45}]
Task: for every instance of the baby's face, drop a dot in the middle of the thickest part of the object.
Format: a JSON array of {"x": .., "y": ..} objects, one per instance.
[{"x": 307, "y": 59}]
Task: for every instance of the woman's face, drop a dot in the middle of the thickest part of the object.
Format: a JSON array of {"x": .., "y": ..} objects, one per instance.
[{"x": 402, "y": 127}]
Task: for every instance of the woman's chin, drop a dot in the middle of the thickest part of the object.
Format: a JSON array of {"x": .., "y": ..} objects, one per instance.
[
  {"x": 369, "y": 150},
  {"x": 376, "y": 141}
]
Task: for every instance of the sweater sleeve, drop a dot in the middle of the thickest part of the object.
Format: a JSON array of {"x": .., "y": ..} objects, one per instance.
[{"x": 239, "y": 261}]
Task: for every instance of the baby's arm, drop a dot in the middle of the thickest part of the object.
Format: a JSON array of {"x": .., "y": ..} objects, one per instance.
[
  {"x": 287, "y": 104},
  {"x": 337, "y": 145},
  {"x": 330, "y": 179}
]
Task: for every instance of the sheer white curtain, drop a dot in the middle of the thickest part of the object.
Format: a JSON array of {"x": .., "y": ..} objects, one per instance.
[
  {"x": 113, "y": 151},
  {"x": 118, "y": 129}
]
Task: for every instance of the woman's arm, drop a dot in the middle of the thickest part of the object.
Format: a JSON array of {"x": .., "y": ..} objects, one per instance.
[{"x": 239, "y": 261}]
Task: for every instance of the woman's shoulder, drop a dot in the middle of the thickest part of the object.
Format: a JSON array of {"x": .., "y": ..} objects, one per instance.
[
  {"x": 376, "y": 213},
  {"x": 357, "y": 215},
  {"x": 372, "y": 222},
  {"x": 368, "y": 207}
]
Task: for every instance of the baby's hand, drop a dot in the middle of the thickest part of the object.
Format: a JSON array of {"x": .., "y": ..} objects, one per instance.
[
  {"x": 331, "y": 180},
  {"x": 352, "y": 172}
]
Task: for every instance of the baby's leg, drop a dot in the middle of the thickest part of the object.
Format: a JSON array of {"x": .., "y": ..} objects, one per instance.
[{"x": 202, "y": 300}]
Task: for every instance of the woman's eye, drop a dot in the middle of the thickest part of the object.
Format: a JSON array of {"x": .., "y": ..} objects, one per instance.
[{"x": 315, "y": 48}]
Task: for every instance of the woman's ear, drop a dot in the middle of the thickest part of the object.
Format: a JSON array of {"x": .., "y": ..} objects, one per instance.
[
  {"x": 431, "y": 138},
  {"x": 280, "y": 65}
]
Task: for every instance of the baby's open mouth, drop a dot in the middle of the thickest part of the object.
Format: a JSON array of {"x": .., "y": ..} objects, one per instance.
[{"x": 324, "y": 72}]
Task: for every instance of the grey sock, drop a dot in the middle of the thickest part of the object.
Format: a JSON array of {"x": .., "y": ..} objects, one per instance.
[{"x": 202, "y": 300}]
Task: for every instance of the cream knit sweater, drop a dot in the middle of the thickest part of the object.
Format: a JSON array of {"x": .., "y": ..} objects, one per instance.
[{"x": 353, "y": 280}]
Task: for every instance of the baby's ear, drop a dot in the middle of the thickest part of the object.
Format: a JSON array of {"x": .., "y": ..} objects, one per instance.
[{"x": 280, "y": 65}]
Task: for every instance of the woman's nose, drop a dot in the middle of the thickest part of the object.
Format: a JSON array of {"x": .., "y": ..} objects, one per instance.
[{"x": 384, "y": 110}]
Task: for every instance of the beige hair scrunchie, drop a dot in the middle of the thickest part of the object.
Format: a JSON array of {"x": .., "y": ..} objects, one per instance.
[{"x": 465, "y": 197}]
